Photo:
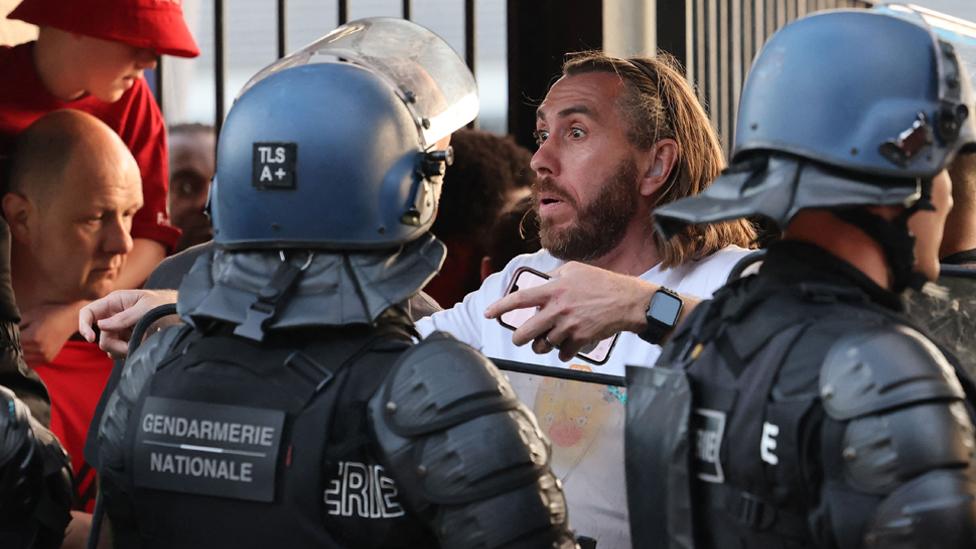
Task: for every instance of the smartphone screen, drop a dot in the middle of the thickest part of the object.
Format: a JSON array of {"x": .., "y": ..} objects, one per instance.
[{"x": 525, "y": 277}]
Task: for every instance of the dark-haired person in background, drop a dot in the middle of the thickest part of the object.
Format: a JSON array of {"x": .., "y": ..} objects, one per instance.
[
  {"x": 515, "y": 232},
  {"x": 489, "y": 173},
  {"x": 191, "y": 167}
]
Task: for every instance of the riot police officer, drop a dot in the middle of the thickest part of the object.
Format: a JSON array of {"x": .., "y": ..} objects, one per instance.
[
  {"x": 292, "y": 409},
  {"x": 798, "y": 408}
]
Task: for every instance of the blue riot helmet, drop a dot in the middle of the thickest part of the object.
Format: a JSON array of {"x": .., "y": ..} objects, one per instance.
[
  {"x": 334, "y": 147},
  {"x": 841, "y": 109}
]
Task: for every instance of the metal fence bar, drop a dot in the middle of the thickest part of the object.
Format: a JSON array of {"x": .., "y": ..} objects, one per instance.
[
  {"x": 159, "y": 83},
  {"x": 219, "y": 62},
  {"x": 712, "y": 60},
  {"x": 282, "y": 15},
  {"x": 689, "y": 59},
  {"x": 701, "y": 80},
  {"x": 406, "y": 9},
  {"x": 724, "y": 61},
  {"x": 343, "y": 11},
  {"x": 738, "y": 62},
  {"x": 469, "y": 36}
]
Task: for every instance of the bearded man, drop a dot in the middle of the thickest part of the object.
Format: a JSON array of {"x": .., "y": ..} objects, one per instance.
[{"x": 617, "y": 137}]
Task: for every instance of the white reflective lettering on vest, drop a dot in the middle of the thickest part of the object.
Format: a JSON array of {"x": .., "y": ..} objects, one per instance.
[
  {"x": 708, "y": 427},
  {"x": 768, "y": 443},
  {"x": 362, "y": 490}
]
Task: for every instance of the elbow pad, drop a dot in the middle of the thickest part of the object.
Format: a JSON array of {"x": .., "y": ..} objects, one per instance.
[{"x": 907, "y": 438}]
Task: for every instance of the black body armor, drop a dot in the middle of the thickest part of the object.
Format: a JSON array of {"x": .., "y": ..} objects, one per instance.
[
  {"x": 802, "y": 413},
  {"x": 219, "y": 441}
]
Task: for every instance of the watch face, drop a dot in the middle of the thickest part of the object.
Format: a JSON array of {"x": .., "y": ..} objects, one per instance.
[{"x": 665, "y": 308}]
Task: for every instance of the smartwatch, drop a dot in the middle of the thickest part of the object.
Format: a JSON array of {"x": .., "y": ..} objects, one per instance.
[{"x": 662, "y": 315}]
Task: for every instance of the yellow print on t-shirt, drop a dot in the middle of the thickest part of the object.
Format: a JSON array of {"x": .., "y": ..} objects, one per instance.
[{"x": 571, "y": 413}]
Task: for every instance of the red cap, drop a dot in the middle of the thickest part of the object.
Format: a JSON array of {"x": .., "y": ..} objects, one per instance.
[{"x": 154, "y": 24}]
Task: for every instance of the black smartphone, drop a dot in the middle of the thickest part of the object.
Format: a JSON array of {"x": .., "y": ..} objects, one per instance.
[{"x": 527, "y": 277}]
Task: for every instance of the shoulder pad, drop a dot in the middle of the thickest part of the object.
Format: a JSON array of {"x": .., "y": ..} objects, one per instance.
[
  {"x": 465, "y": 454},
  {"x": 883, "y": 368},
  {"x": 138, "y": 370},
  {"x": 441, "y": 382}
]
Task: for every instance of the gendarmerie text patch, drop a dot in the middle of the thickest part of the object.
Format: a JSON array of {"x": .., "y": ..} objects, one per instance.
[{"x": 209, "y": 449}]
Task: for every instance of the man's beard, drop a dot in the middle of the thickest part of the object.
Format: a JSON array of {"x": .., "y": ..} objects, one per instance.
[{"x": 600, "y": 225}]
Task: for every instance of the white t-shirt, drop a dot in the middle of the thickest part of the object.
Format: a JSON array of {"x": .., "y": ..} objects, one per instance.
[{"x": 584, "y": 421}]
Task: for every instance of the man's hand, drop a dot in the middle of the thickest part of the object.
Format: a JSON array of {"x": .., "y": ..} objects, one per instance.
[
  {"x": 78, "y": 530},
  {"x": 117, "y": 313},
  {"x": 580, "y": 305},
  {"x": 44, "y": 330}
]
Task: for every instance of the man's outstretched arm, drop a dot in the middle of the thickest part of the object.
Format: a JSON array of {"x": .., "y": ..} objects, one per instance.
[{"x": 581, "y": 305}]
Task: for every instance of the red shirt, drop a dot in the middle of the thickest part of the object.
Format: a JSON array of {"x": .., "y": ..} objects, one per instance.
[
  {"x": 75, "y": 380},
  {"x": 135, "y": 117}
]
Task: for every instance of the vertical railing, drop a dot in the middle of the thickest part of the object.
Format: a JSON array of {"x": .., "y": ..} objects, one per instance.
[
  {"x": 220, "y": 73},
  {"x": 282, "y": 28},
  {"x": 724, "y": 38}
]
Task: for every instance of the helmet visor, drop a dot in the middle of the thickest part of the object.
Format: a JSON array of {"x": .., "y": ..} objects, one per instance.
[{"x": 430, "y": 77}]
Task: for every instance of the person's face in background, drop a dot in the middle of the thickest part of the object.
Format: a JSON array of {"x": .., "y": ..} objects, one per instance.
[{"x": 191, "y": 167}]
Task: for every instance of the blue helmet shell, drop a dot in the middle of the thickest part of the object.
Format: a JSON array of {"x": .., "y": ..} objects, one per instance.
[
  {"x": 323, "y": 156},
  {"x": 836, "y": 87},
  {"x": 841, "y": 108}
]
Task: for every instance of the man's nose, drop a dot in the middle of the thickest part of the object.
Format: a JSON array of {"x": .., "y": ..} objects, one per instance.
[
  {"x": 117, "y": 238},
  {"x": 544, "y": 161}
]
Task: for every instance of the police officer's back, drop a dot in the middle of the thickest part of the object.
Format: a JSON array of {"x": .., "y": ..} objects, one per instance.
[
  {"x": 798, "y": 408},
  {"x": 293, "y": 409}
]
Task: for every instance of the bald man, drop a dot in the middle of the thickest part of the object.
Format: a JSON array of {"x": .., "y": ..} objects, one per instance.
[{"x": 73, "y": 190}]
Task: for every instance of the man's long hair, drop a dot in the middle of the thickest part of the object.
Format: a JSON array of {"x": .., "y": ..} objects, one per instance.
[{"x": 659, "y": 103}]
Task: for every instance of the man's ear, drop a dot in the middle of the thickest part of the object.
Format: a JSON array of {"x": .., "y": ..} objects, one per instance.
[
  {"x": 663, "y": 155},
  {"x": 17, "y": 210}
]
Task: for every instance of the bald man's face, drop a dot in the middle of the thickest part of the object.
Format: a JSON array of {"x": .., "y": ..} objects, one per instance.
[{"x": 79, "y": 235}]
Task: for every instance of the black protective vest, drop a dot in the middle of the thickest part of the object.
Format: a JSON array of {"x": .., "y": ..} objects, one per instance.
[
  {"x": 752, "y": 359},
  {"x": 240, "y": 444}
]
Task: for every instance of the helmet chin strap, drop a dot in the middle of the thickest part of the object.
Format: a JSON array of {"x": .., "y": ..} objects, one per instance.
[{"x": 896, "y": 240}]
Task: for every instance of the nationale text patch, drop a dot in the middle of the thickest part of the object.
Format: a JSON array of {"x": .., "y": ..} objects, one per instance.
[{"x": 209, "y": 449}]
